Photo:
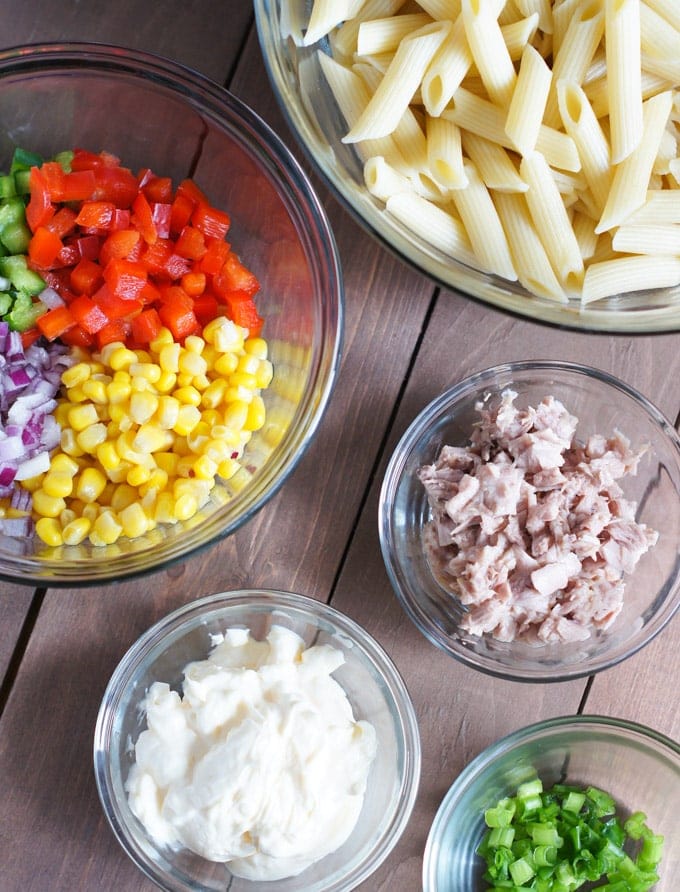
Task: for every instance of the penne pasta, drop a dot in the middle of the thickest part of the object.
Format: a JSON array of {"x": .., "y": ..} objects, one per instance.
[
  {"x": 541, "y": 8},
  {"x": 488, "y": 50},
  {"x": 445, "y": 232},
  {"x": 326, "y": 15},
  {"x": 384, "y": 35},
  {"x": 647, "y": 239},
  {"x": 667, "y": 9},
  {"x": 382, "y": 180},
  {"x": 551, "y": 220},
  {"x": 527, "y": 107},
  {"x": 632, "y": 176},
  {"x": 401, "y": 80},
  {"x": 483, "y": 226},
  {"x": 493, "y": 164},
  {"x": 622, "y": 274},
  {"x": 624, "y": 89},
  {"x": 591, "y": 143},
  {"x": 445, "y": 153}
]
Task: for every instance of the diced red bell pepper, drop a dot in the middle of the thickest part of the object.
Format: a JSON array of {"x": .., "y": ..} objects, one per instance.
[
  {"x": 89, "y": 246},
  {"x": 115, "y": 184},
  {"x": 142, "y": 219},
  {"x": 241, "y": 309},
  {"x": 69, "y": 255},
  {"x": 215, "y": 257},
  {"x": 206, "y": 308},
  {"x": 116, "y": 307},
  {"x": 175, "y": 266},
  {"x": 28, "y": 337},
  {"x": 63, "y": 223},
  {"x": 146, "y": 326},
  {"x": 96, "y": 215},
  {"x": 85, "y": 160},
  {"x": 194, "y": 283},
  {"x": 154, "y": 257},
  {"x": 89, "y": 315},
  {"x": 116, "y": 330},
  {"x": 189, "y": 189},
  {"x": 191, "y": 243},
  {"x": 121, "y": 219},
  {"x": 125, "y": 278},
  {"x": 211, "y": 221},
  {"x": 180, "y": 213},
  {"x": 39, "y": 210},
  {"x": 86, "y": 277},
  {"x": 158, "y": 190},
  {"x": 119, "y": 244},
  {"x": 161, "y": 213},
  {"x": 76, "y": 337},
  {"x": 234, "y": 276},
  {"x": 55, "y": 322},
  {"x": 44, "y": 248}
]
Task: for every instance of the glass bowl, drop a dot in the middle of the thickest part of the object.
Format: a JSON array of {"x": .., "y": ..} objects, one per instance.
[
  {"x": 637, "y": 766},
  {"x": 602, "y": 405},
  {"x": 372, "y": 684},
  {"x": 155, "y": 113},
  {"x": 315, "y": 118}
]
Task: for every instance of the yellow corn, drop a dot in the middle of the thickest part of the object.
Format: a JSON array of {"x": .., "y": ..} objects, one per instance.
[
  {"x": 69, "y": 444},
  {"x": 148, "y": 370},
  {"x": 123, "y": 495},
  {"x": 205, "y": 468},
  {"x": 49, "y": 531},
  {"x": 143, "y": 406},
  {"x": 226, "y": 364},
  {"x": 58, "y": 484},
  {"x": 76, "y": 374},
  {"x": 121, "y": 358},
  {"x": 107, "y": 456},
  {"x": 107, "y": 528},
  {"x": 94, "y": 389},
  {"x": 236, "y": 414},
  {"x": 152, "y": 438},
  {"x": 64, "y": 463},
  {"x": 46, "y": 505},
  {"x": 162, "y": 339},
  {"x": 227, "y": 468},
  {"x": 77, "y": 531},
  {"x": 92, "y": 437},
  {"x": 82, "y": 416},
  {"x": 168, "y": 358},
  {"x": 90, "y": 485},
  {"x": 256, "y": 414},
  {"x": 166, "y": 383},
  {"x": 133, "y": 520},
  {"x": 185, "y": 507},
  {"x": 257, "y": 347},
  {"x": 188, "y": 395},
  {"x": 187, "y": 419},
  {"x": 118, "y": 391}
]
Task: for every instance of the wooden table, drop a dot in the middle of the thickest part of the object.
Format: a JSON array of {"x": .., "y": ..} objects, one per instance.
[{"x": 59, "y": 647}]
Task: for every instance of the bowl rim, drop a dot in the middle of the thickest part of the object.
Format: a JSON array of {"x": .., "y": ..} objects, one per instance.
[
  {"x": 428, "y": 260},
  {"x": 619, "y": 728},
  {"x": 269, "y": 600},
  {"x": 274, "y": 156},
  {"x": 394, "y": 473}
]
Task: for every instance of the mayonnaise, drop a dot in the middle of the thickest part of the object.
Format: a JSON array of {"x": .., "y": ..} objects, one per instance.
[{"x": 259, "y": 763}]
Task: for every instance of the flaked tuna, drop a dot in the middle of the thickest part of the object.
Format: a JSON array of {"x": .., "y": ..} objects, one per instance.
[{"x": 529, "y": 528}]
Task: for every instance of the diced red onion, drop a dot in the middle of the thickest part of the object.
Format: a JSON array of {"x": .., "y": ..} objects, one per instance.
[{"x": 51, "y": 298}]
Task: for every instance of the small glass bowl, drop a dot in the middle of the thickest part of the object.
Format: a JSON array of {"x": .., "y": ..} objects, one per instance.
[
  {"x": 602, "y": 404},
  {"x": 637, "y": 766},
  {"x": 374, "y": 689},
  {"x": 155, "y": 113},
  {"x": 315, "y": 118}
]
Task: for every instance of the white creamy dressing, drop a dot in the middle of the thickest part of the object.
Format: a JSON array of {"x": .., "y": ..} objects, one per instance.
[{"x": 260, "y": 761}]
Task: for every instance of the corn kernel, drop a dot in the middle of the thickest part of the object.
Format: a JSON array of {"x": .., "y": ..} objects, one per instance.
[
  {"x": 92, "y": 437},
  {"x": 139, "y": 384},
  {"x": 226, "y": 364},
  {"x": 46, "y": 505},
  {"x": 180, "y": 447},
  {"x": 143, "y": 406},
  {"x": 167, "y": 461},
  {"x": 228, "y": 337},
  {"x": 158, "y": 480},
  {"x": 123, "y": 495},
  {"x": 125, "y": 447},
  {"x": 151, "y": 438},
  {"x": 243, "y": 379},
  {"x": 76, "y": 374},
  {"x": 166, "y": 383},
  {"x": 168, "y": 358},
  {"x": 200, "y": 382},
  {"x": 106, "y": 528},
  {"x": 188, "y": 418},
  {"x": 77, "y": 531},
  {"x": 205, "y": 468},
  {"x": 66, "y": 516},
  {"x": 192, "y": 364},
  {"x": 188, "y": 395},
  {"x": 91, "y": 511},
  {"x": 90, "y": 485},
  {"x": 64, "y": 463},
  {"x": 194, "y": 343},
  {"x": 235, "y": 415},
  {"x": 106, "y": 454},
  {"x": 133, "y": 520},
  {"x": 82, "y": 416},
  {"x": 185, "y": 507},
  {"x": 58, "y": 484},
  {"x": 239, "y": 394},
  {"x": 121, "y": 358},
  {"x": 95, "y": 390},
  {"x": 118, "y": 392},
  {"x": 69, "y": 444},
  {"x": 256, "y": 414},
  {"x": 164, "y": 509},
  {"x": 257, "y": 347},
  {"x": 213, "y": 394},
  {"x": 248, "y": 364},
  {"x": 225, "y": 434},
  {"x": 162, "y": 339},
  {"x": 49, "y": 531},
  {"x": 138, "y": 475},
  {"x": 217, "y": 450},
  {"x": 264, "y": 374},
  {"x": 227, "y": 468},
  {"x": 33, "y": 483},
  {"x": 148, "y": 370}
]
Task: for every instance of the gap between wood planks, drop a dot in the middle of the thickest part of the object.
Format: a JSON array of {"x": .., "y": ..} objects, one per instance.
[{"x": 20, "y": 646}]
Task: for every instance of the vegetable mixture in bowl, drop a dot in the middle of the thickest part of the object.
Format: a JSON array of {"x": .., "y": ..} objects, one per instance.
[{"x": 170, "y": 309}]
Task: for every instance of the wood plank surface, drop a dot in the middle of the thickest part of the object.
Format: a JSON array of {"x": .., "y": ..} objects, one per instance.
[{"x": 318, "y": 536}]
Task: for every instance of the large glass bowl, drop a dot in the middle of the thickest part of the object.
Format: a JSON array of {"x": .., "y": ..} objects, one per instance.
[
  {"x": 602, "y": 404},
  {"x": 375, "y": 691},
  {"x": 313, "y": 114},
  {"x": 637, "y": 766},
  {"x": 154, "y": 113}
]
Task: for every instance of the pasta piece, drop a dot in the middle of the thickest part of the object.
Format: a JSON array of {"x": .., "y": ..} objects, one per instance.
[
  {"x": 441, "y": 10},
  {"x": 541, "y": 8},
  {"x": 632, "y": 177},
  {"x": 659, "y": 45},
  {"x": 482, "y": 117},
  {"x": 593, "y": 149},
  {"x": 584, "y": 233},
  {"x": 531, "y": 262},
  {"x": 622, "y": 40},
  {"x": 438, "y": 227},
  {"x": 493, "y": 164},
  {"x": 382, "y": 180},
  {"x": 396, "y": 89},
  {"x": 662, "y": 207},
  {"x": 611, "y": 277},
  {"x": 483, "y": 226},
  {"x": 446, "y": 71},
  {"x": 444, "y": 153},
  {"x": 352, "y": 96},
  {"x": 562, "y": 14},
  {"x": 385, "y": 35},
  {"x": 572, "y": 60},
  {"x": 551, "y": 220},
  {"x": 647, "y": 239},
  {"x": 667, "y": 9},
  {"x": 326, "y": 15},
  {"x": 519, "y": 34},
  {"x": 344, "y": 39},
  {"x": 488, "y": 50},
  {"x": 527, "y": 107}
]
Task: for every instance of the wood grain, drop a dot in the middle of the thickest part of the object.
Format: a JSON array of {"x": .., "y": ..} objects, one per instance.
[{"x": 15, "y": 601}]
